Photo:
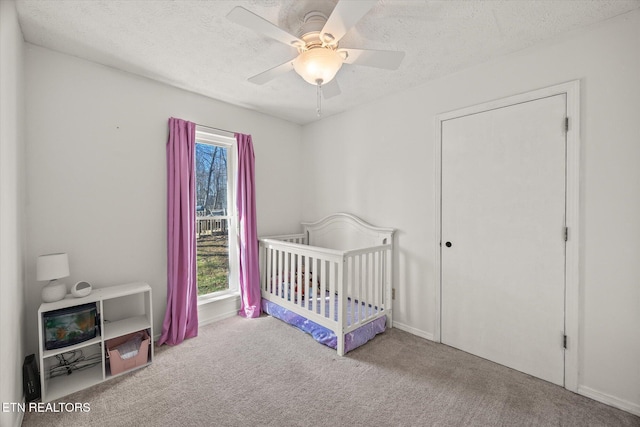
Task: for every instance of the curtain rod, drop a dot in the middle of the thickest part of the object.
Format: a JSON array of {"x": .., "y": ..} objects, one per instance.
[{"x": 232, "y": 134}]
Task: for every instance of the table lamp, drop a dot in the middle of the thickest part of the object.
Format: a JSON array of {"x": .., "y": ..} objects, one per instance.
[{"x": 53, "y": 267}]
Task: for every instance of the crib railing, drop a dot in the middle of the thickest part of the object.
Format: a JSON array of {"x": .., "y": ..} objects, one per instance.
[
  {"x": 368, "y": 285},
  {"x": 290, "y": 238},
  {"x": 301, "y": 278}
]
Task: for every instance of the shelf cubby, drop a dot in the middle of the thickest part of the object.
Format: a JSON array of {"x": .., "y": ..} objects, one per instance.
[{"x": 122, "y": 309}]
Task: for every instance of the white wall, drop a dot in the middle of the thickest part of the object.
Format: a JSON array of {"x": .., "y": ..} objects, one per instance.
[
  {"x": 12, "y": 312},
  {"x": 96, "y": 168},
  {"x": 378, "y": 162}
]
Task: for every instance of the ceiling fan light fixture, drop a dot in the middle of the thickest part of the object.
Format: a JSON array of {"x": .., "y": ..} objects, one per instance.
[{"x": 318, "y": 64}]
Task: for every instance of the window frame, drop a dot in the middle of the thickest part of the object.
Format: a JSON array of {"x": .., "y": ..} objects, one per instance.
[{"x": 210, "y": 136}]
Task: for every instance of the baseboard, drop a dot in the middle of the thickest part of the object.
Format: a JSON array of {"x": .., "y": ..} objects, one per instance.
[
  {"x": 18, "y": 416},
  {"x": 19, "y": 419},
  {"x": 412, "y": 330},
  {"x": 607, "y": 399}
]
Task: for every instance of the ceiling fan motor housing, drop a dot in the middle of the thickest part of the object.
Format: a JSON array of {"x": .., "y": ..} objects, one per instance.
[{"x": 312, "y": 24}]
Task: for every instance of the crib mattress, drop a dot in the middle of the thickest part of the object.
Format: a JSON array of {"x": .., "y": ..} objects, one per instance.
[{"x": 352, "y": 340}]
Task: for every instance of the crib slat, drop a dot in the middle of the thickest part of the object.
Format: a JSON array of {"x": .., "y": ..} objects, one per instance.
[
  {"x": 300, "y": 267},
  {"x": 261, "y": 266},
  {"x": 350, "y": 274},
  {"x": 385, "y": 281},
  {"x": 308, "y": 283},
  {"x": 291, "y": 278},
  {"x": 367, "y": 287},
  {"x": 352, "y": 288},
  {"x": 371, "y": 302},
  {"x": 274, "y": 272},
  {"x": 358, "y": 301},
  {"x": 278, "y": 273},
  {"x": 342, "y": 322},
  {"x": 388, "y": 273},
  {"x": 374, "y": 284},
  {"x": 381, "y": 288},
  {"x": 281, "y": 279},
  {"x": 312, "y": 288},
  {"x": 369, "y": 282},
  {"x": 268, "y": 283},
  {"x": 323, "y": 288},
  {"x": 360, "y": 276},
  {"x": 379, "y": 279},
  {"x": 285, "y": 277},
  {"x": 332, "y": 290}
]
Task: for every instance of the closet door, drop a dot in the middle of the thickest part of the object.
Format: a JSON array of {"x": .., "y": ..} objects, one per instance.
[{"x": 503, "y": 246}]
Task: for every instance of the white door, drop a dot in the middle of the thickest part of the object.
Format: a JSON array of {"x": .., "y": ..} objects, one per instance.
[{"x": 503, "y": 246}]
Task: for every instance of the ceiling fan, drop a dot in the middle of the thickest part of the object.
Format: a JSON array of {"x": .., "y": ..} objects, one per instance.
[{"x": 319, "y": 55}]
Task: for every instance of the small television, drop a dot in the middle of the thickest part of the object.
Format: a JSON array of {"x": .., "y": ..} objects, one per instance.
[{"x": 69, "y": 326}]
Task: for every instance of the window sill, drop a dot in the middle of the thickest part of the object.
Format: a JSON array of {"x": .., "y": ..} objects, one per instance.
[
  {"x": 213, "y": 308},
  {"x": 208, "y": 299}
]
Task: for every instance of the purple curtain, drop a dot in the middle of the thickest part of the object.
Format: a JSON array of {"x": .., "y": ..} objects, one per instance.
[
  {"x": 181, "y": 317},
  {"x": 246, "y": 202}
]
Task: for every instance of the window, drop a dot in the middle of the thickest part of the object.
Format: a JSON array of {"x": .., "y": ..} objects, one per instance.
[{"x": 216, "y": 245}]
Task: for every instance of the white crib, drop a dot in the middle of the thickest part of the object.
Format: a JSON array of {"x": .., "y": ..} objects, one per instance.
[{"x": 337, "y": 274}]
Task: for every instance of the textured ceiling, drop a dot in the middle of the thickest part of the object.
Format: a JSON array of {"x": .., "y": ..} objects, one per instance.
[{"x": 191, "y": 44}]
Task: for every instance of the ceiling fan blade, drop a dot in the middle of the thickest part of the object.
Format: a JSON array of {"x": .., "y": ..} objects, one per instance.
[
  {"x": 242, "y": 16},
  {"x": 272, "y": 73},
  {"x": 345, "y": 15},
  {"x": 387, "y": 59},
  {"x": 331, "y": 89}
]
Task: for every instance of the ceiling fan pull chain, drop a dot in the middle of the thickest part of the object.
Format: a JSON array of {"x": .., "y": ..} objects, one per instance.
[{"x": 319, "y": 97}]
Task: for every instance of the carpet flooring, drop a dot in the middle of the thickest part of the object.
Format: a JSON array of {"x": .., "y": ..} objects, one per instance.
[{"x": 262, "y": 372}]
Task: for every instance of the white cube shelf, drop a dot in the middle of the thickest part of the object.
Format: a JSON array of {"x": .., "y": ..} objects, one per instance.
[{"x": 123, "y": 309}]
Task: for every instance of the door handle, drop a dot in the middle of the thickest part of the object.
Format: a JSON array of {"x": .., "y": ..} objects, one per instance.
[{"x": 448, "y": 244}]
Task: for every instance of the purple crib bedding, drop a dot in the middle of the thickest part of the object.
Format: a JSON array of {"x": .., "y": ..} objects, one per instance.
[{"x": 352, "y": 340}]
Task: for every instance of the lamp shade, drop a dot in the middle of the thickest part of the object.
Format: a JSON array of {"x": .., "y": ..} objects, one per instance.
[
  {"x": 52, "y": 266},
  {"x": 318, "y": 64}
]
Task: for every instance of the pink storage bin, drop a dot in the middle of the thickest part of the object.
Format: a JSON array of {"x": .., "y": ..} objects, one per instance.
[{"x": 117, "y": 363}]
